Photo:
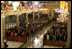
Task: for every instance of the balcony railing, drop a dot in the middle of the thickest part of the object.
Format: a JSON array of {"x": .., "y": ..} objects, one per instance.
[{"x": 44, "y": 2}]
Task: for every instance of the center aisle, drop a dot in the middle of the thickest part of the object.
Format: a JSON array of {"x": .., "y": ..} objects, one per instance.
[{"x": 30, "y": 42}]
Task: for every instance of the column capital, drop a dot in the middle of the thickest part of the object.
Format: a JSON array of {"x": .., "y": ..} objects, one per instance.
[
  {"x": 17, "y": 15},
  {"x": 33, "y": 12},
  {"x": 26, "y": 17},
  {"x": 18, "y": 12},
  {"x": 33, "y": 15},
  {"x": 27, "y": 13}
]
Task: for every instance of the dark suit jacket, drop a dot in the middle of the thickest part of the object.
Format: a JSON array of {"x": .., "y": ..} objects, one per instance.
[
  {"x": 56, "y": 37},
  {"x": 60, "y": 38},
  {"x": 8, "y": 34},
  {"x": 19, "y": 33},
  {"x": 16, "y": 30},
  {"x": 31, "y": 30},
  {"x": 51, "y": 37},
  {"x": 45, "y": 37}
]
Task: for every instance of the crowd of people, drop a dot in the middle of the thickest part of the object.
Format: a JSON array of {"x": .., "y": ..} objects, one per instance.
[
  {"x": 58, "y": 32},
  {"x": 27, "y": 29}
]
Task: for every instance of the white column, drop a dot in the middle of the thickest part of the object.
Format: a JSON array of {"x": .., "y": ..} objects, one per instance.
[
  {"x": 3, "y": 22},
  {"x": 1, "y": 33},
  {"x": 69, "y": 6},
  {"x": 17, "y": 21},
  {"x": 26, "y": 17},
  {"x": 52, "y": 14},
  {"x": 33, "y": 16},
  {"x": 48, "y": 13},
  {"x": 68, "y": 44}
]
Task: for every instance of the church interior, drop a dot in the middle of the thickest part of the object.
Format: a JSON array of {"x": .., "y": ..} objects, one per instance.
[{"x": 35, "y": 24}]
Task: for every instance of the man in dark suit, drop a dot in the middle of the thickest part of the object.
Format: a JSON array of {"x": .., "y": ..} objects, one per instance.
[
  {"x": 60, "y": 37},
  {"x": 8, "y": 34},
  {"x": 32, "y": 31},
  {"x": 65, "y": 40},
  {"x": 57, "y": 37},
  {"x": 23, "y": 25},
  {"x": 19, "y": 32},
  {"x": 51, "y": 37},
  {"x": 45, "y": 36}
]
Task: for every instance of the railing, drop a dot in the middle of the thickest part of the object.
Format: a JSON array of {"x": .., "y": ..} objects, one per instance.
[{"x": 47, "y": 3}]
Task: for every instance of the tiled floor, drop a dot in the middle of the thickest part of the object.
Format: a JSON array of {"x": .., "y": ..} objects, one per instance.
[
  {"x": 13, "y": 44},
  {"x": 47, "y": 46},
  {"x": 30, "y": 42}
]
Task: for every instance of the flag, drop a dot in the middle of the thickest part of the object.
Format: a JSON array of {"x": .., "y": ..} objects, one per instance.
[
  {"x": 30, "y": 4},
  {"x": 7, "y": 6},
  {"x": 36, "y": 6},
  {"x": 26, "y": 6},
  {"x": 33, "y": 6},
  {"x": 39, "y": 5},
  {"x": 43, "y": 6},
  {"x": 21, "y": 7}
]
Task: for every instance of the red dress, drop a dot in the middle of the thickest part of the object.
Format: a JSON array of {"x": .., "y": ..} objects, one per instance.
[
  {"x": 24, "y": 35},
  {"x": 12, "y": 34}
]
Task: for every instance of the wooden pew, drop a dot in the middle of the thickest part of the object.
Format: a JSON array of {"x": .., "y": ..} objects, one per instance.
[
  {"x": 54, "y": 43},
  {"x": 62, "y": 44},
  {"x": 10, "y": 38},
  {"x": 17, "y": 39}
]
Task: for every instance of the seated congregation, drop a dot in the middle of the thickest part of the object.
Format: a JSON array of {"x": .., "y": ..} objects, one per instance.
[
  {"x": 58, "y": 32},
  {"x": 27, "y": 29}
]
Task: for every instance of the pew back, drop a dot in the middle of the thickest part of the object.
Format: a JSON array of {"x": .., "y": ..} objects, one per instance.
[
  {"x": 54, "y": 43},
  {"x": 17, "y": 39}
]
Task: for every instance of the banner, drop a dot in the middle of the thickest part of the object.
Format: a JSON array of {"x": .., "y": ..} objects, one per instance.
[
  {"x": 21, "y": 7},
  {"x": 63, "y": 6},
  {"x": 66, "y": 7},
  {"x": 26, "y": 6}
]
